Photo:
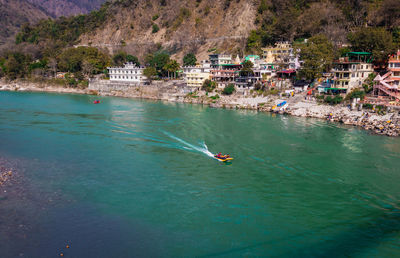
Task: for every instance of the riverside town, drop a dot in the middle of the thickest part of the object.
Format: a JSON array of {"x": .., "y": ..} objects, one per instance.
[{"x": 199, "y": 128}]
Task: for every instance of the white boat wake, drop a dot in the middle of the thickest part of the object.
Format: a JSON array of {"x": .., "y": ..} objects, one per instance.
[{"x": 187, "y": 146}]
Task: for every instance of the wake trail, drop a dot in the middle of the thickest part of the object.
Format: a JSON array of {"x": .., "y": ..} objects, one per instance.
[{"x": 188, "y": 146}]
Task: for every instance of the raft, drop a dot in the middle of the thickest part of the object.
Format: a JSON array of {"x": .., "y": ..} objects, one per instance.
[{"x": 222, "y": 158}]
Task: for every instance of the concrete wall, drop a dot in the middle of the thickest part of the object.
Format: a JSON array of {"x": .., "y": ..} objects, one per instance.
[{"x": 171, "y": 90}]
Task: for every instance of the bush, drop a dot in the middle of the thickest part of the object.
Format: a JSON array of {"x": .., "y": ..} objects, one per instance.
[
  {"x": 215, "y": 97},
  {"x": 229, "y": 89},
  {"x": 155, "y": 17},
  {"x": 333, "y": 101},
  {"x": 356, "y": 93},
  {"x": 155, "y": 28},
  {"x": 209, "y": 85}
]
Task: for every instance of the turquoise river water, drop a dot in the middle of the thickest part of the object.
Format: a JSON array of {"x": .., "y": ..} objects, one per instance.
[{"x": 133, "y": 178}]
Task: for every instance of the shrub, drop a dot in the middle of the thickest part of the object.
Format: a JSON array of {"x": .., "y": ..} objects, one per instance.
[
  {"x": 155, "y": 28},
  {"x": 356, "y": 93},
  {"x": 229, "y": 89},
  {"x": 333, "y": 101},
  {"x": 155, "y": 17},
  {"x": 209, "y": 85}
]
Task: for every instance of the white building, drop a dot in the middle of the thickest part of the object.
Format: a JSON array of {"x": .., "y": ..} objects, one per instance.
[
  {"x": 352, "y": 70},
  {"x": 129, "y": 73},
  {"x": 217, "y": 60}
]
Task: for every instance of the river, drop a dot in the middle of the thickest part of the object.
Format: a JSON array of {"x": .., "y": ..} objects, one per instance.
[{"x": 135, "y": 178}]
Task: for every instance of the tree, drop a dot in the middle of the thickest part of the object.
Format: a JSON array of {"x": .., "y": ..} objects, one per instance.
[
  {"x": 317, "y": 55},
  {"x": 171, "y": 67},
  {"x": 209, "y": 85},
  {"x": 120, "y": 58},
  {"x": 72, "y": 60},
  {"x": 254, "y": 41},
  {"x": 229, "y": 89},
  {"x": 247, "y": 68},
  {"x": 189, "y": 59},
  {"x": 150, "y": 72},
  {"x": 378, "y": 41},
  {"x": 15, "y": 65},
  {"x": 158, "y": 61},
  {"x": 132, "y": 59},
  {"x": 53, "y": 66}
]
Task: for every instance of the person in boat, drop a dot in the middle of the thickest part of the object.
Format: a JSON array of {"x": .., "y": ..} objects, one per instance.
[{"x": 219, "y": 155}]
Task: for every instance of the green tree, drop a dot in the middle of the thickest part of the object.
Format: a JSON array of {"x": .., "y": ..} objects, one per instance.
[
  {"x": 317, "y": 55},
  {"x": 132, "y": 59},
  {"x": 378, "y": 41},
  {"x": 189, "y": 59},
  {"x": 247, "y": 68},
  {"x": 229, "y": 89},
  {"x": 209, "y": 85},
  {"x": 16, "y": 65},
  {"x": 90, "y": 59},
  {"x": 254, "y": 42},
  {"x": 158, "y": 61},
  {"x": 119, "y": 58},
  {"x": 150, "y": 73},
  {"x": 171, "y": 67}
]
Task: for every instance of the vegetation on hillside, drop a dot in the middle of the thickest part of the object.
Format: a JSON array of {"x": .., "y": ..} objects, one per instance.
[{"x": 369, "y": 25}]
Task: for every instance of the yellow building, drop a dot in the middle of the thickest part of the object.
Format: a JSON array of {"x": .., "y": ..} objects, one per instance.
[
  {"x": 196, "y": 75},
  {"x": 281, "y": 54}
]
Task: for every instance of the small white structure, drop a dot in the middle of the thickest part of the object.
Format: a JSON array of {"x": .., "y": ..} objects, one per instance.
[{"x": 129, "y": 73}]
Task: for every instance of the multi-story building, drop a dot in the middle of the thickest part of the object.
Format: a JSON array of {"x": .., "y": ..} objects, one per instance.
[
  {"x": 262, "y": 72},
  {"x": 225, "y": 74},
  {"x": 281, "y": 55},
  {"x": 195, "y": 76},
  {"x": 129, "y": 73},
  {"x": 217, "y": 60},
  {"x": 388, "y": 85},
  {"x": 351, "y": 70}
]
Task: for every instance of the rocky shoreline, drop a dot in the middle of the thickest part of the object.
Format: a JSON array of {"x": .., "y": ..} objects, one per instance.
[{"x": 387, "y": 124}]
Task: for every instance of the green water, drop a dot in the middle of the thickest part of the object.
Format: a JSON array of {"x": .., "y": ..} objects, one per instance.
[{"x": 132, "y": 178}]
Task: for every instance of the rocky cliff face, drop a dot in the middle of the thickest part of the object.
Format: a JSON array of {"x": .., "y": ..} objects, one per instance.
[
  {"x": 200, "y": 26},
  {"x": 14, "y": 13},
  {"x": 57, "y": 8}
]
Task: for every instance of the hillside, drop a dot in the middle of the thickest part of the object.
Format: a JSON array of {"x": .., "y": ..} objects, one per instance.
[
  {"x": 140, "y": 27},
  {"x": 14, "y": 13},
  {"x": 178, "y": 26},
  {"x": 59, "y": 8}
]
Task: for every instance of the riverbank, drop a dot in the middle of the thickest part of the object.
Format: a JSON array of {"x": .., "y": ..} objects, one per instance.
[{"x": 174, "y": 91}]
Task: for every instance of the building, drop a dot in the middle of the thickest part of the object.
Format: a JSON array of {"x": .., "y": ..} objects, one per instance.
[
  {"x": 351, "y": 71},
  {"x": 129, "y": 73},
  {"x": 217, "y": 60},
  {"x": 195, "y": 76},
  {"x": 387, "y": 87},
  {"x": 281, "y": 55},
  {"x": 225, "y": 74},
  {"x": 262, "y": 72}
]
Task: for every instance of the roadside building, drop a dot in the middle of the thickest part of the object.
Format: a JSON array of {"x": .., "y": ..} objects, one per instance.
[
  {"x": 351, "y": 71},
  {"x": 195, "y": 76},
  {"x": 129, "y": 73}
]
